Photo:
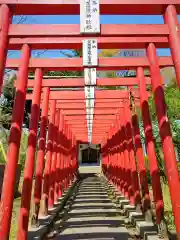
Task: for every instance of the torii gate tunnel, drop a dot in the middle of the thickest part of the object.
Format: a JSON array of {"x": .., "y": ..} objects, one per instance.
[{"x": 64, "y": 113}]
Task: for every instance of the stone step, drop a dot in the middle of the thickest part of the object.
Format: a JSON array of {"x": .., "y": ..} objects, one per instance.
[
  {"x": 92, "y": 193},
  {"x": 93, "y": 187},
  {"x": 94, "y": 233},
  {"x": 143, "y": 227},
  {"x": 92, "y": 212},
  {"x": 92, "y": 200},
  {"x": 93, "y": 219},
  {"x": 90, "y": 204},
  {"x": 89, "y": 196}
]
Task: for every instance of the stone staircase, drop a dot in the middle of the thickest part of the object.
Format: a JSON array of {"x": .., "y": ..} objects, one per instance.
[
  {"x": 93, "y": 209},
  {"x": 91, "y": 214}
]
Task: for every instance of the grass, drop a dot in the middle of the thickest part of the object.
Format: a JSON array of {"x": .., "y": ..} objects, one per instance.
[
  {"x": 14, "y": 222},
  {"x": 15, "y": 213},
  {"x": 168, "y": 207}
]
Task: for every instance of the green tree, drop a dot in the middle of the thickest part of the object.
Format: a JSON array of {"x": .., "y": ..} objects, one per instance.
[
  {"x": 172, "y": 98},
  {"x": 7, "y": 101}
]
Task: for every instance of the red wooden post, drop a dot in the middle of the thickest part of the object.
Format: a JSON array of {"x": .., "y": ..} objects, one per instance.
[
  {"x": 63, "y": 170},
  {"x": 127, "y": 172},
  {"x": 40, "y": 155},
  {"x": 29, "y": 164},
  {"x": 65, "y": 159},
  {"x": 51, "y": 155},
  {"x": 48, "y": 158},
  {"x": 119, "y": 155},
  {"x": 116, "y": 155},
  {"x": 74, "y": 157},
  {"x": 58, "y": 162},
  {"x": 141, "y": 164},
  {"x": 134, "y": 175},
  {"x": 165, "y": 133},
  {"x": 121, "y": 162},
  {"x": 5, "y": 20},
  {"x": 154, "y": 170},
  {"x": 68, "y": 156},
  {"x": 71, "y": 156},
  {"x": 54, "y": 157},
  {"x": 14, "y": 145},
  {"x": 60, "y": 174},
  {"x": 171, "y": 19},
  {"x": 110, "y": 155}
]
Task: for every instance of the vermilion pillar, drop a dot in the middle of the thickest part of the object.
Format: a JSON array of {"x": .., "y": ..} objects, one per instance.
[
  {"x": 59, "y": 175},
  {"x": 14, "y": 145},
  {"x": 65, "y": 158},
  {"x": 171, "y": 19},
  {"x": 48, "y": 158},
  {"x": 54, "y": 161},
  {"x": 40, "y": 155},
  {"x": 5, "y": 20},
  {"x": 70, "y": 156},
  {"x": 51, "y": 156},
  {"x": 127, "y": 172},
  {"x": 132, "y": 162},
  {"x": 58, "y": 162},
  {"x": 140, "y": 163},
  {"x": 154, "y": 170},
  {"x": 121, "y": 159},
  {"x": 165, "y": 133},
  {"x": 30, "y": 157}
]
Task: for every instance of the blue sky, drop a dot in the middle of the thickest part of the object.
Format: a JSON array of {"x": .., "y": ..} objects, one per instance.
[{"x": 108, "y": 19}]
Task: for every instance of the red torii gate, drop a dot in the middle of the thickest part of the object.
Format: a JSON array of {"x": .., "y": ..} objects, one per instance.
[
  {"x": 72, "y": 109},
  {"x": 119, "y": 140}
]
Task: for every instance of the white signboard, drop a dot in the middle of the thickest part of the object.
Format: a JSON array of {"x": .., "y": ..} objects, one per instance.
[
  {"x": 89, "y": 111},
  {"x": 90, "y": 53},
  {"x": 89, "y": 16},
  {"x": 89, "y": 92},
  {"x": 90, "y": 139},
  {"x": 90, "y": 103},
  {"x": 89, "y": 117},
  {"x": 90, "y": 76}
]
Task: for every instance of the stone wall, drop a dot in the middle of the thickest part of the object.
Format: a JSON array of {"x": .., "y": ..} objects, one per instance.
[{"x": 18, "y": 174}]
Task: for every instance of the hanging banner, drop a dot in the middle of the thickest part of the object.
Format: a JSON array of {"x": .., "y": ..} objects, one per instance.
[
  {"x": 89, "y": 16},
  {"x": 90, "y": 76},
  {"x": 90, "y": 53}
]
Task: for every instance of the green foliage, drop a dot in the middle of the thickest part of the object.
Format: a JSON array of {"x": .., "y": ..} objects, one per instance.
[
  {"x": 23, "y": 148},
  {"x": 172, "y": 98},
  {"x": 6, "y": 103}
]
